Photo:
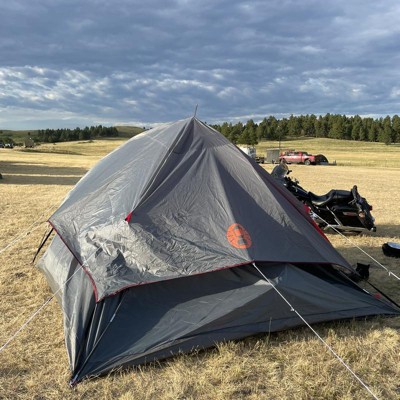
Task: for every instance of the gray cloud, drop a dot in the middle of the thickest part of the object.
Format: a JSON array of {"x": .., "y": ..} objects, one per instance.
[{"x": 93, "y": 61}]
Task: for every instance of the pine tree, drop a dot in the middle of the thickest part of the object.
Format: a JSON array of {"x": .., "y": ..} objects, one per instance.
[
  {"x": 396, "y": 128},
  {"x": 294, "y": 126},
  {"x": 387, "y": 130}
]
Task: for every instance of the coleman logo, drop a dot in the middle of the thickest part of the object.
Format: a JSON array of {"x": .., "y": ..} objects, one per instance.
[{"x": 238, "y": 237}]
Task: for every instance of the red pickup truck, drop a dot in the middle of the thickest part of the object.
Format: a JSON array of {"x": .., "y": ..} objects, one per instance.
[{"x": 302, "y": 157}]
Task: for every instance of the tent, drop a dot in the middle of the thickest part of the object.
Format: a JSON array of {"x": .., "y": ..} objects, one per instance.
[{"x": 156, "y": 247}]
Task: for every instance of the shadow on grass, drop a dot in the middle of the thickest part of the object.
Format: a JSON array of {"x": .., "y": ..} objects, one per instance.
[
  {"x": 39, "y": 180},
  {"x": 387, "y": 230},
  {"x": 379, "y": 271},
  {"x": 382, "y": 231},
  {"x": 21, "y": 173},
  {"x": 50, "y": 151}
]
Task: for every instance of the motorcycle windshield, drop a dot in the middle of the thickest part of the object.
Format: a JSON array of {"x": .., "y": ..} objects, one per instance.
[{"x": 280, "y": 171}]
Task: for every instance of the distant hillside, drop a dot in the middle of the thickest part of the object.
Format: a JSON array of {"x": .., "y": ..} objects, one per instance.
[
  {"x": 128, "y": 131},
  {"x": 17, "y": 136},
  {"x": 20, "y": 136}
]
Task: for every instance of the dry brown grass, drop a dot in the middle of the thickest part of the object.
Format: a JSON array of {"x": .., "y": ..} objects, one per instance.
[{"x": 286, "y": 365}]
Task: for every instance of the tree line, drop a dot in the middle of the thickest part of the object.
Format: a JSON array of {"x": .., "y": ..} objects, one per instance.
[
  {"x": 335, "y": 126},
  {"x": 66, "y": 135}
]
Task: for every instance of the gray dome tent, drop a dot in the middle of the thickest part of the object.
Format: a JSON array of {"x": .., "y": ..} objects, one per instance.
[{"x": 154, "y": 250}]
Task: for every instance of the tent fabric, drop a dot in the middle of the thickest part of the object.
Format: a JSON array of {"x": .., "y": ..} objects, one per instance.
[
  {"x": 154, "y": 250},
  {"x": 190, "y": 196},
  {"x": 153, "y": 322}
]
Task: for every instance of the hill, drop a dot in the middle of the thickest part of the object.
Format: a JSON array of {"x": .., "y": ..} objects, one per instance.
[
  {"x": 16, "y": 136},
  {"x": 128, "y": 131},
  {"x": 19, "y": 136}
]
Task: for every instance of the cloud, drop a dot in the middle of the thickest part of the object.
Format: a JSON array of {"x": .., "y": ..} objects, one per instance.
[
  {"x": 153, "y": 61},
  {"x": 395, "y": 93}
]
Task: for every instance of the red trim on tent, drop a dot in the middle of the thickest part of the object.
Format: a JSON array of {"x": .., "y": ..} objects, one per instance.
[{"x": 128, "y": 217}]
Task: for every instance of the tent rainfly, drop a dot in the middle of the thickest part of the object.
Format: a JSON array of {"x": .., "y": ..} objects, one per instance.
[{"x": 155, "y": 248}]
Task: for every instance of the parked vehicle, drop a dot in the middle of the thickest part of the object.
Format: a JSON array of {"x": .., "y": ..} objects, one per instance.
[
  {"x": 302, "y": 157},
  {"x": 343, "y": 210},
  {"x": 6, "y": 145},
  {"x": 272, "y": 156},
  {"x": 251, "y": 152}
]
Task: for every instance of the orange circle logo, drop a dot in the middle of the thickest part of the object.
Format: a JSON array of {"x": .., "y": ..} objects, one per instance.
[{"x": 238, "y": 237}]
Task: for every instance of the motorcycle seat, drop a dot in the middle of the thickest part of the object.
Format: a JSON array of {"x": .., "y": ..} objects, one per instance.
[{"x": 332, "y": 195}]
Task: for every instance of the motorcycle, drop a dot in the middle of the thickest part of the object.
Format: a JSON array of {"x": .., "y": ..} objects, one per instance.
[{"x": 342, "y": 210}]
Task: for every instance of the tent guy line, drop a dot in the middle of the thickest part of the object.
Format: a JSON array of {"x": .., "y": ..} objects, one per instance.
[
  {"x": 390, "y": 273},
  {"x": 20, "y": 237},
  {"x": 35, "y": 313},
  {"x": 317, "y": 334},
  {"x": 30, "y": 229},
  {"x": 25, "y": 324}
]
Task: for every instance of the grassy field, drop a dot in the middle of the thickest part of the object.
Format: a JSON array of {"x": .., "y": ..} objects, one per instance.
[{"x": 285, "y": 365}]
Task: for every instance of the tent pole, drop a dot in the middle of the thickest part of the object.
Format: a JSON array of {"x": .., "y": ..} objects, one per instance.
[{"x": 74, "y": 379}]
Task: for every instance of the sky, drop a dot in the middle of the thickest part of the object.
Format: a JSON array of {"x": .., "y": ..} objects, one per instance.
[{"x": 69, "y": 63}]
